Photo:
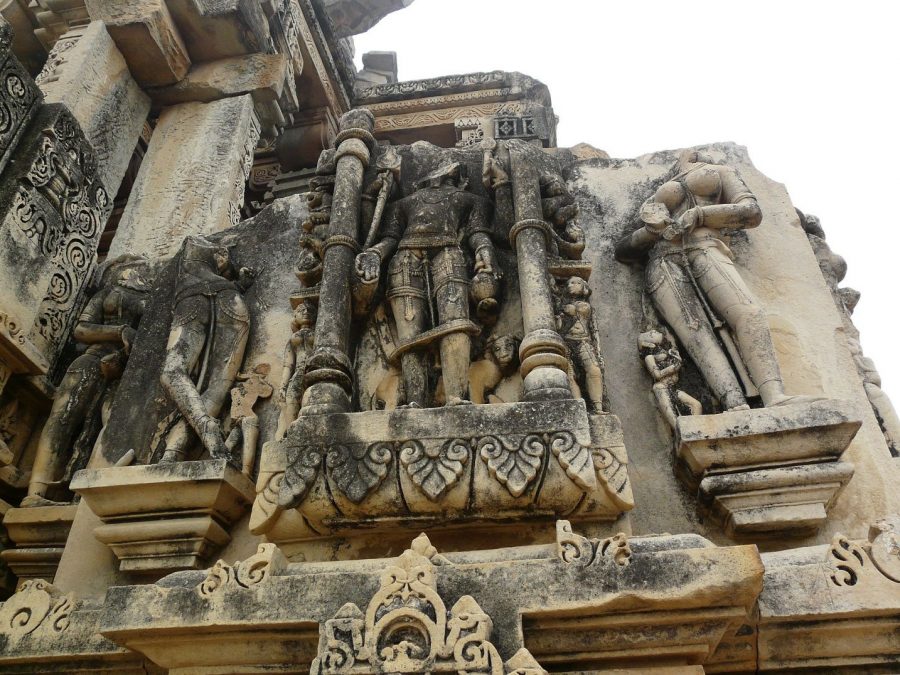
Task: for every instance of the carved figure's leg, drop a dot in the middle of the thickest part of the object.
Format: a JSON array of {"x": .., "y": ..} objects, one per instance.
[
  {"x": 183, "y": 351},
  {"x": 663, "y": 395},
  {"x": 727, "y": 293},
  {"x": 593, "y": 374},
  {"x": 675, "y": 299},
  {"x": 406, "y": 292},
  {"x": 225, "y": 357},
  {"x": 250, "y": 432},
  {"x": 451, "y": 291},
  {"x": 73, "y": 399}
]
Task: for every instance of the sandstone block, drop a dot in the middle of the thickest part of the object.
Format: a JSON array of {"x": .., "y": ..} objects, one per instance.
[
  {"x": 39, "y": 534},
  {"x": 216, "y": 29},
  {"x": 147, "y": 37},
  {"x": 87, "y": 73},
  {"x": 192, "y": 178},
  {"x": 165, "y": 517}
]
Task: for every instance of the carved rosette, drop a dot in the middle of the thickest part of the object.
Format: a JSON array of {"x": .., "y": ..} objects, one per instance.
[{"x": 407, "y": 628}]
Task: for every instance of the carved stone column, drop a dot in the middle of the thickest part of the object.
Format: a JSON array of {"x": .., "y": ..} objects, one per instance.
[
  {"x": 542, "y": 352},
  {"x": 328, "y": 375}
]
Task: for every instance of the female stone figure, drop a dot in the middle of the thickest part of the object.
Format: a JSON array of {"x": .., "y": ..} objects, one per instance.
[
  {"x": 575, "y": 320},
  {"x": 209, "y": 332},
  {"x": 296, "y": 352},
  {"x": 663, "y": 361},
  {"x": 108, "y": 327},
  {"x": 693, "y": 282}
]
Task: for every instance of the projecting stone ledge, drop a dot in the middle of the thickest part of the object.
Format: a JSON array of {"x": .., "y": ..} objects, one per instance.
[
  {"x": 165, "y": 517},
  {"x": 768, "y": 471},
  {"x": 579, "y": 604},
  {"x": 436, "y": 467}
]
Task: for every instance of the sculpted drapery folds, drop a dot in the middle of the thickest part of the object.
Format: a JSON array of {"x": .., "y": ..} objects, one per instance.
[
  {"x": 108, "y": 327},
  {"x": 210, "y": 325},
  {"x": 693, "y": 283},
  {"x": 428, "y": 277}
]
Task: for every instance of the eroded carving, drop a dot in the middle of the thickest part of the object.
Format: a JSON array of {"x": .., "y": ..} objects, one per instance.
[
  {"x": 210, "y": 325},
  {"x": 108, "y": 326},
  {"x": 407, "y": 628},
  {"x": 268, "y": 561}
]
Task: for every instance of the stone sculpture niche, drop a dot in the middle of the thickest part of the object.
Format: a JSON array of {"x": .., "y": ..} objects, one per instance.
[
  {"x": 201, "y": 432},
  {"x": 765, "y": 462},
  {"x": 453, "y": 325}
]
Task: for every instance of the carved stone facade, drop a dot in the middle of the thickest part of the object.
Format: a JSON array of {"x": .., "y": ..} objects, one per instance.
[{"x": 305, "y": 369}]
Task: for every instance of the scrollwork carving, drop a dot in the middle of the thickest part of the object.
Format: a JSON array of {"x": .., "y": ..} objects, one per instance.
[
  {"x": 266, "y": 562},
  {"x": 37, "y": 605},
  {"x": 575, "y": 549}
]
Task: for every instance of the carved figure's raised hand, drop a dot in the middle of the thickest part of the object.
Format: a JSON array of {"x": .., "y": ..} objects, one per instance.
[
  {"x": 246, "y": 275},
  {"x": 368, "y": 265},
  {"x": 484, "y": 260},
  {"x": 493, "y": 175},
  {"x": 655, "y": 217}
]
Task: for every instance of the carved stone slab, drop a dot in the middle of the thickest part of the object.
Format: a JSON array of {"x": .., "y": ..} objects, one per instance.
[
  {"x": 781, "y": 435},
  {"x": 770, "y": 470},
  {"x": 165, "y": 517},
  {"x": 438, "y": 465},
  {"x": 19, "y": 96},
  {"x": 40, "y": 535}
]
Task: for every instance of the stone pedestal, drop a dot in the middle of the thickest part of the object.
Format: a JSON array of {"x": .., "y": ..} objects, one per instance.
[
  {"x": 165, "y": 517},
  {"x": 771, "y": 470},
  {"x": 439, "y": 467},
  {"x": 39, "y": 534},
  {"x": 192, "y": 178}
]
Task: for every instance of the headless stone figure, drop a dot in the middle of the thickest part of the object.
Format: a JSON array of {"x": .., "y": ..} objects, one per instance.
[
  {"x": 425, "y": 229},
  {"x": 210, "y": 325},
  {"x": 663, "y": 362},
  {"x": 242, "y": 420},
  {"x": 693, "y": 282},
  {"x": 108, "y": 327}
]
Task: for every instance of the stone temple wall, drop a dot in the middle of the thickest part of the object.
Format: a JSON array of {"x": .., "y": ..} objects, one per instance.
[{"x": 304, "y": 369}]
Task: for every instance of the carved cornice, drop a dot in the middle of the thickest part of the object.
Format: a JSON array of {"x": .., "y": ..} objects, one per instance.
[{"x": 517, "y": 83}]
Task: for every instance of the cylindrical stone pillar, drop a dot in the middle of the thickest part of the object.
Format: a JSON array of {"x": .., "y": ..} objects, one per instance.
[
  {"x": 329, "y": 379},
  {"x": 542, "y": 354}
]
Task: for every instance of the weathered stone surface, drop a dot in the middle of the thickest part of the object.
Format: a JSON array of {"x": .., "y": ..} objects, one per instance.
[
  {"x": 54, "y": 207},
  {"x": 556, "y": 602},
  {"x": 45, "y": 630},
  {"x": 192, "y": 178},
  {"x": 40, "y": 535},
  {"x": 766, "y": 437},
  {"x": 19, "y": 98},
  {"x": 165, "y": 517},
  {"x": 832, "y": 607},
  {"x": 87, "y": 73},
  {"x": 351, "y": 17},
  {"x": 266, "y": 77},
  {"x": 466, "y": 463},
  {"x": 216, "y": 29},
  {"x": 147, "y": 37}
]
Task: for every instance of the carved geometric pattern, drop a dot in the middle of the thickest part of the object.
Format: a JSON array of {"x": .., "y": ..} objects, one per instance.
[{"x": 358, "y": 469}]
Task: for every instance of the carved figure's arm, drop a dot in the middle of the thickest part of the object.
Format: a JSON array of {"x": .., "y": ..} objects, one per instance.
[
  {"x": 90, "y": 328},
  {"x": 655, "y": 217},
  {"x": 739, "y": 209},
  {"x": 289, "y": 363}
]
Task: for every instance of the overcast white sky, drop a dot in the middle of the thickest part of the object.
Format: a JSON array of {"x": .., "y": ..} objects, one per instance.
[{"x": 811, "y": 88}]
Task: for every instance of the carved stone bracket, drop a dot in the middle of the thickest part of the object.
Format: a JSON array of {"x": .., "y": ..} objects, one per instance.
[
  {"x": 165, "y": 517},
  {"x": 771, "y": 470},
  {"x": 40, "y": 535},
  {"x": 464, "y": 463}
]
